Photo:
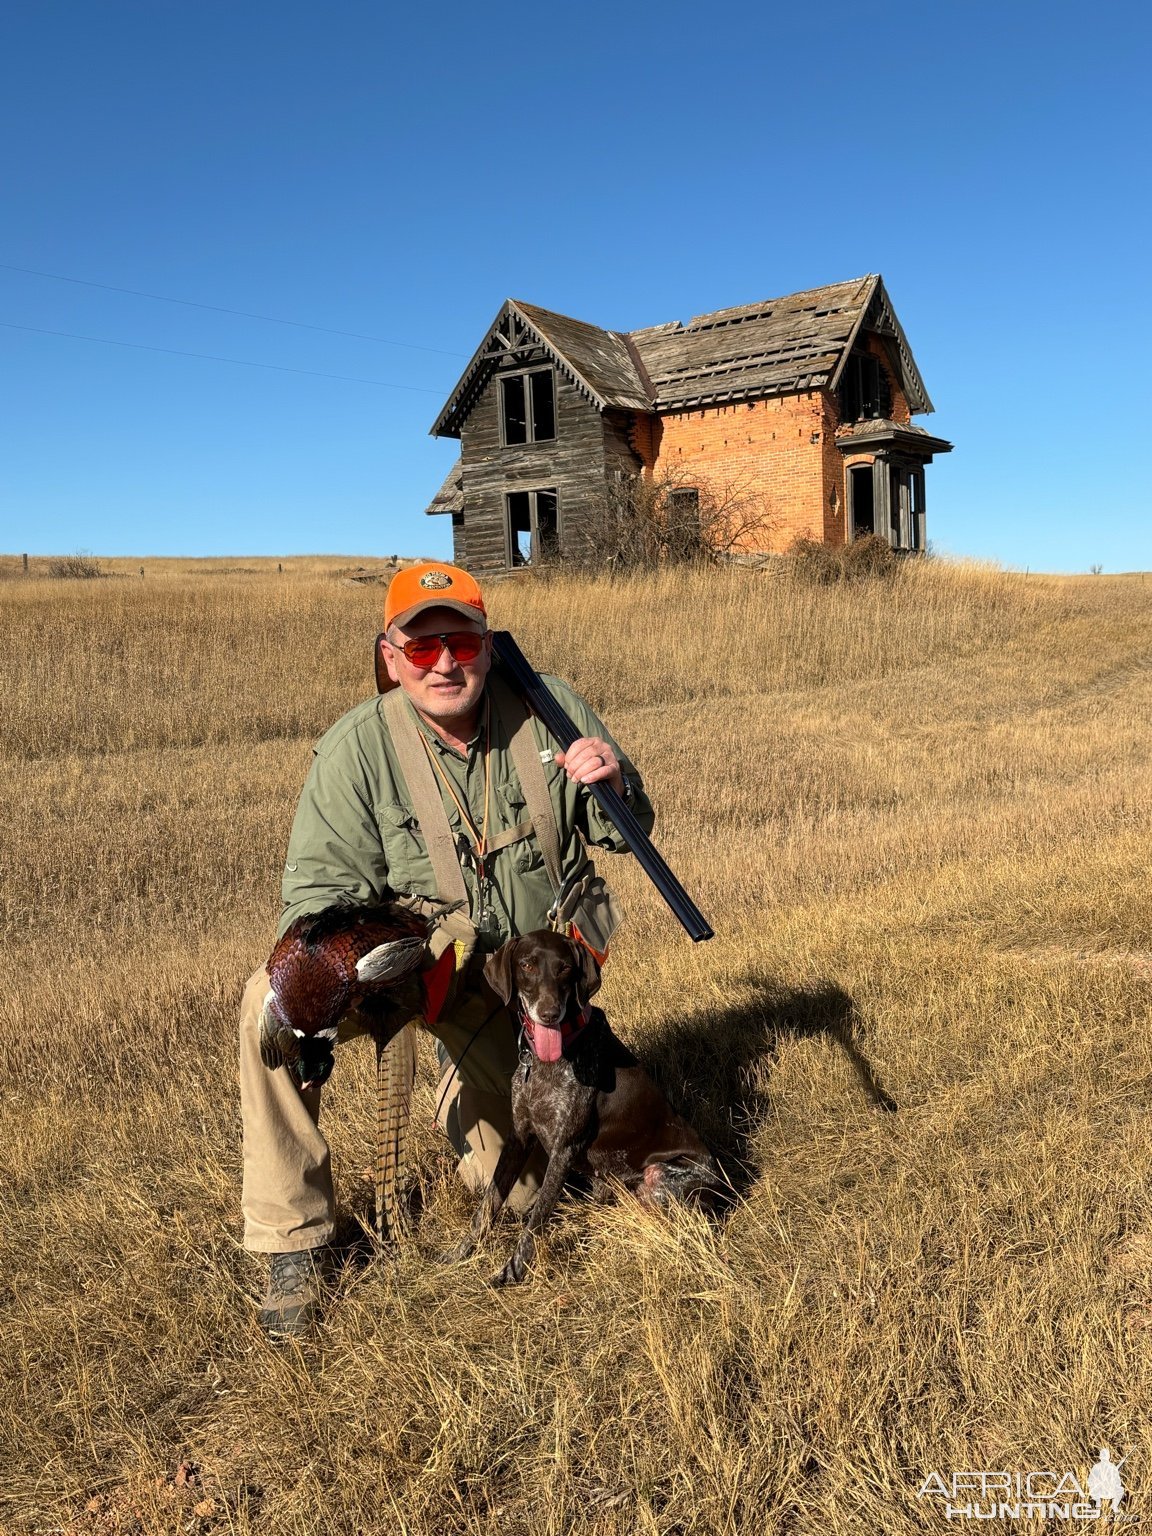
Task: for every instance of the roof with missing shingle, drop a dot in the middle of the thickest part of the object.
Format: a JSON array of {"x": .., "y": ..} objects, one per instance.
[
  {"x": 601, "y": 358},
  {"x": 777, "y": 346},
  {"x": 879, "y": 430}
]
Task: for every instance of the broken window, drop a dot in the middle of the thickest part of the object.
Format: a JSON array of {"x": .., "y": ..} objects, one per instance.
[
  {"x": 861, "y": 500},
  {"x": 528, "y": 407},
  {"x": 865, "y": 394},
  {"x": 533, "y": 526},
  {"x": 519, "y": 528},
  {"x": 547, "y": 526},
  {"x": 684, "y": 522},
  {"x": 684, "y": 507},
  {"x": 543, "y": 395},
  {"x": 907, "y": 507}
]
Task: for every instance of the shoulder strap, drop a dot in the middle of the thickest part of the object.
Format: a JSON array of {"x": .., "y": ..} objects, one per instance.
[
  {"x": 529, "y": 770},
  {"x": 427, "y": 805}
]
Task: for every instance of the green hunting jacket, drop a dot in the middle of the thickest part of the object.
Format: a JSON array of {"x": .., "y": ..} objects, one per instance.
[{"x": 355, "y": 838}]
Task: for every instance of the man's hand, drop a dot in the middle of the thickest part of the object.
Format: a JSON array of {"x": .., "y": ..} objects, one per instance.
[{"x": 589, "y": 760}]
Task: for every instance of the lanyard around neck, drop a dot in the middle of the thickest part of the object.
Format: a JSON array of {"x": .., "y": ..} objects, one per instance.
[{"x": 479, "y": 836}]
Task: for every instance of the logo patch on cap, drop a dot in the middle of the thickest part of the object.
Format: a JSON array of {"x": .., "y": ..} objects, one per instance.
[{"x": 435, "y": 581}]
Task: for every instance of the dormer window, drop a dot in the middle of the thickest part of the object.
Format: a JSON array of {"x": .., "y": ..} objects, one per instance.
[
  {"x": 865, "y": 394},
  {"x": 528, "y": 407}
]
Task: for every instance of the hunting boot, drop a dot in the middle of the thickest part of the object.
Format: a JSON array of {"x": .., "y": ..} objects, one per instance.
[{"x": 291, "y": 1303}]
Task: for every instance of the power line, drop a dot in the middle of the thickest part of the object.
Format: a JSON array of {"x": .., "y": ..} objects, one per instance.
[
  {"x": 210, "y": 357},
  {"x": 220, "y": 309}
]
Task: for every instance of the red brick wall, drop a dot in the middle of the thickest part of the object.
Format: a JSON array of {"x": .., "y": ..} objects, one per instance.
[
  {"x": 645, "y": 440},
  {"x": 778, "y": 457},
  {"x": 759, "y": 454}
]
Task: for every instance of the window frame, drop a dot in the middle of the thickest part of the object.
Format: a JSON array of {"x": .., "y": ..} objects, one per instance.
[
  {"x": 857, "y": 473},
  {"x": 852, "y": 386},
  {"x": 906, "y": 518},
  {"x": 511, "y": 545},
  {"x": 531, "y": 437}
]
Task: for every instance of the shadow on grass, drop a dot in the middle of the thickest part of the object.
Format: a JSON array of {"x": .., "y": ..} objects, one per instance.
[{"x": 714, "y": 1064}]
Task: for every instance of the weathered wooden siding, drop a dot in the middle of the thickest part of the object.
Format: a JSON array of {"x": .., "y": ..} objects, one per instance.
[
  {"x": 620, "y": 457},
  {"x": 572, "y": 463},
  {"x": 459, "y": 541}
]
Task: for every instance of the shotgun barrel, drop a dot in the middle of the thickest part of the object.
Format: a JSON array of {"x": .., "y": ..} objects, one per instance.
[{"x": 524, "y": 678}]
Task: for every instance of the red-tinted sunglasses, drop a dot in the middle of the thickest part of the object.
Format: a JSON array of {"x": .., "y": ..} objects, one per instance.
[{"x": 462, "y": 645}]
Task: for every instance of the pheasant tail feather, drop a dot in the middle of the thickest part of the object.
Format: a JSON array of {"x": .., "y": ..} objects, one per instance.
[{"x": 395, "y": 1076}]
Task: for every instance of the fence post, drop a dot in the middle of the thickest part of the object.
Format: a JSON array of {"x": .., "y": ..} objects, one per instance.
[{"x": 24, "y": 559}]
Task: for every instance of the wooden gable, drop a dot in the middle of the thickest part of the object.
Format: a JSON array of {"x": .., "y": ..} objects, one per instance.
[{"x": 595, "y": 363}]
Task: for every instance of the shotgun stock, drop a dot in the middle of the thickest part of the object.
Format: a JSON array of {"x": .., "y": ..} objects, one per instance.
[{"x": 524, "y": 678}]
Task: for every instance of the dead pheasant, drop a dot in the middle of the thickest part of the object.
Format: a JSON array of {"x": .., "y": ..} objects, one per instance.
[{"x": 325, "y": 965}]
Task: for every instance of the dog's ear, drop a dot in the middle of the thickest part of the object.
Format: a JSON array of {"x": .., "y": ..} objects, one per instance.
[
  {"x": 587, "y": 969},
  {"x": 498, "y": 970}
]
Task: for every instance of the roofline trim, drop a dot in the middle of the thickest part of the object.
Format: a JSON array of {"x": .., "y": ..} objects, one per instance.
[
  {"x": 914, "y": 442},
  {"x": 469, "y": 377},
  {"x": 834, "y": 382},
  {"x": 802, "y": 384},
  {"x": 879, "y": 305}
]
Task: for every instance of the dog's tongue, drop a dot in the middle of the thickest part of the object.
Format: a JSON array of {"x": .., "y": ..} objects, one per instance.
[{"x": 548, "y": 1043}]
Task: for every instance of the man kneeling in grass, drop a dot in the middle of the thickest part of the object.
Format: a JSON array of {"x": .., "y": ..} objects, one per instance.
[{"x": 357, "y": 839}]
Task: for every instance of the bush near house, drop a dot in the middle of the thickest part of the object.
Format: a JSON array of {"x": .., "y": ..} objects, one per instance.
[
  {"x": 823, "y": 565},
  {"x": 639, "y": 524}
]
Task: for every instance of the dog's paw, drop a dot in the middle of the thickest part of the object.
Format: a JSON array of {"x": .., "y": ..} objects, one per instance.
[
  {"x": 458, "y": 1254},
  {"x": 512, "y": 1273}
]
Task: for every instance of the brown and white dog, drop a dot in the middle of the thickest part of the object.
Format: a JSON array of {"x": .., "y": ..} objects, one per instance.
[{"x": 581, "y": 1094}]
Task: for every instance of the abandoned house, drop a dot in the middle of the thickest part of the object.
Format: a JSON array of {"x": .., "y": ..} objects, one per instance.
[{"x": 800, "y": 407}]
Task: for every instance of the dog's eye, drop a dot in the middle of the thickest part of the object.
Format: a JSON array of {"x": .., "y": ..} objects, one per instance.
[{"x": 529, "y": 966}]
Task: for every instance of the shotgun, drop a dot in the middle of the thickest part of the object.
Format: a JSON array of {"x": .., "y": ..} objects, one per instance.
[{"x": 522, "y": 676}]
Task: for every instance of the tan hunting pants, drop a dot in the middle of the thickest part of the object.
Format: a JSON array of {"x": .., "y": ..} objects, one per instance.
[{"x": 288, "y": 1200}]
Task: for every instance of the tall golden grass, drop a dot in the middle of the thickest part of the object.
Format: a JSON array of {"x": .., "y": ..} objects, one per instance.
[{"x": 918, "y": 816}]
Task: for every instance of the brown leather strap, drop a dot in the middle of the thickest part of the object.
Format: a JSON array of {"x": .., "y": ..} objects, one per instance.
[
  {"x": 515, "y": 834},
  {"x": 424, "y": 795},
  {"x": 428, "y": 805},
  {"x": 525, "y": 749}
]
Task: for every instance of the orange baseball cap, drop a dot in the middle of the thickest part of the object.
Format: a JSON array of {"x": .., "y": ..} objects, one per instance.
[{"x": 431, "y": 584}]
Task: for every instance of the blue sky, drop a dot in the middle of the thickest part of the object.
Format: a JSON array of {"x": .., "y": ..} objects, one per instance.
[{"x": 397, "y": 175}]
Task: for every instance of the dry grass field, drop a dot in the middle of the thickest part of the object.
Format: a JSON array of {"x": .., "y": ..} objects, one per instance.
[{"x": 918, "y": 816}]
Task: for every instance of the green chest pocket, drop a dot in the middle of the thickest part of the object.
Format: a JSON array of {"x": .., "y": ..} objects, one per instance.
[
  {"x": 409, "y": 868},
  {"x": 525, "y": 854}
]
